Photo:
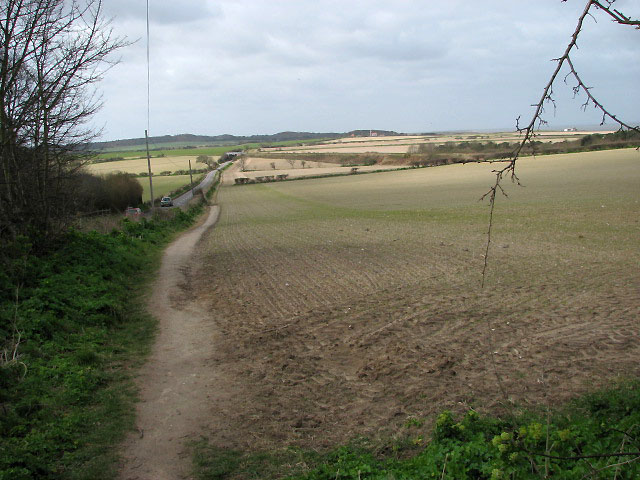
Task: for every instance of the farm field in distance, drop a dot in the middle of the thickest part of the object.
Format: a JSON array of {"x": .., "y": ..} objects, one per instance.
[
  {"x": 257, "y": 167},
  {"x": 400, "y": 144},
  {"x": 169, "y": 152},
  {"x": 345, "y": 306},
  {"x": 164, "y": 185},
  {"x": 139, "y": 165}
]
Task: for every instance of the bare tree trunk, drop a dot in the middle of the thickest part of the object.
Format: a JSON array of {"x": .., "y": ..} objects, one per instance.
[{"x": 47, "y": 72}]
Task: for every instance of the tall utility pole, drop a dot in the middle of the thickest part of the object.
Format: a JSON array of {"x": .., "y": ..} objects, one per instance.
[
  {"x": 191, "y": 178},
  {"x": 146, "y": 132},
  {"x": 146, "y": 137}
]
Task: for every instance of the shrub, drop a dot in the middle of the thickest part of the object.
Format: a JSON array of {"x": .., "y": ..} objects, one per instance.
[{"x": 121, "y": 190}]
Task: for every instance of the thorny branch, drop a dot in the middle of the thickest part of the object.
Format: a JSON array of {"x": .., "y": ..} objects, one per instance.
[
  {"x": 613, "y": 465},
  {"x": 591, "y": 99},
  {"x": 9, "y": 354},
  {"x": 537, "y": 119},
  {"x": 509, "y": 170},
  {"x": 615, "y": 14},
  {"x": 581, "y": 457}
]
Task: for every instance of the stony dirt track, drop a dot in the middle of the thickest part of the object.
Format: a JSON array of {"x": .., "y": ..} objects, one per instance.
[
  {"x": 175, "y": 383},
  {"x": 319, "y": 311}
]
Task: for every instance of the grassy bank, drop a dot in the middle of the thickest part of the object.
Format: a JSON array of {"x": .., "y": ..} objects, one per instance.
[{"x": 73, "y": 330}]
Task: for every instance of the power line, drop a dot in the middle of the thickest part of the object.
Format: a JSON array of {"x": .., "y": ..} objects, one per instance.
[
  {"x": 148, "y": 75},
  {"x": 146, "y": 132}
]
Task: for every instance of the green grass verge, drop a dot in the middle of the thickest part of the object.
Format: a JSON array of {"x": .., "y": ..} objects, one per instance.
[
  {"x": 78, "y": 312},
  {"x": 178, "y": 152},
  {"x": 584, "y": 439},
  {"x": 162, "y": 185}
]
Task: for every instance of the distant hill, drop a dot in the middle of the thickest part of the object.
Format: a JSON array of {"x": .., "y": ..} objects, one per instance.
[
  {"x": 186, "y": 139},
  {"x": 205, "y": 140}
]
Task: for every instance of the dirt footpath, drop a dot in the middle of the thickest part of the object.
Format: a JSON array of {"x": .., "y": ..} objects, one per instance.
[
  {"x": 296, "y": 325},
  {"x": 175, "y": 383}
]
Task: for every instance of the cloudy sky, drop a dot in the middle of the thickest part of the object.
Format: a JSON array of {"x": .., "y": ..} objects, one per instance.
[{"x": 263, "y": 66}]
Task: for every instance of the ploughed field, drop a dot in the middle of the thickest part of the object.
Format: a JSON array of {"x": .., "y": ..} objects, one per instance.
[{"x": 343, "y": 306}]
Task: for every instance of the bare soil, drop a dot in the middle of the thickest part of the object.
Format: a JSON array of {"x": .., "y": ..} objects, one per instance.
[
  {"x": 329, "y": 329},
  {"x": 313, "y": 364},
  {"x": 293, "y": 323}
]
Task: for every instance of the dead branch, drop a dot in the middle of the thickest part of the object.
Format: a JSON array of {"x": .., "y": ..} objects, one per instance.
[
  {"x": 537, "y": 119},
  {"x": 615, "y": 14},
  {"x": 582, "y": 457},
  {"x": 9, "y": 354},
  {"x": 616, "y": 465},
  {"x": 590, "y": 98},
  {"x": 509, "y": 170}
]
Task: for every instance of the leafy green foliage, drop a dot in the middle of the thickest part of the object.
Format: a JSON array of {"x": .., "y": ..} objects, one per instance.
[
  {"x": 477, "y": 447},
  {"x": 78, "y": 313},
  {"x": 469, "y": 447}
]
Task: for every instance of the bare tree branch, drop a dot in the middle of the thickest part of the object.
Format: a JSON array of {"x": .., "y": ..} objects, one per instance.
[
  {"x": 615, "y": 14},
  {"x": 53, "y": 52},
  {"x": 537, "y": 119},
  {"x": 590, "y": 98},
  {"x": 581, "y": 457}
]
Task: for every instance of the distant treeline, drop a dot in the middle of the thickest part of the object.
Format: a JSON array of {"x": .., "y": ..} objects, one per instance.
[
  {"x": 231, "y": 139},
  {"x": 217, "y": 139},
  {"x": 431, "y": 154},
  {"x": 462, "y": 152},
  {"x": 168, "y": 173}
]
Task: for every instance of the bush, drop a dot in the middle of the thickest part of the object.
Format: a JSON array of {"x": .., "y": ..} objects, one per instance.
[
  {"x": 114, "y": 192},
  {"x": 121, "y": 190}
]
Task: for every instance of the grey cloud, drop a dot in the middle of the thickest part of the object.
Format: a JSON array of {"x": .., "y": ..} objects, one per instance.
[
  {"x": 161, "y": 11},
  {"x": 254, "y": 65}
]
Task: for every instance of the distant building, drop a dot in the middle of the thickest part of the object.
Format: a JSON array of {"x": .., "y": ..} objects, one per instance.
[
  {"x": 230, "y": 156},
  {"x": 572, "y": 129}
]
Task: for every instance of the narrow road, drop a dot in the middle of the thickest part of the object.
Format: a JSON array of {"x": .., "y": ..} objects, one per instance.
[
  {"x": 204, "y": 184},
  {"x": 175, "y": 382}
]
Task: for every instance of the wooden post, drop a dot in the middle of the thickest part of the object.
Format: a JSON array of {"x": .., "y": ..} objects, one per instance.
[
  {"x": 146, "y": 136},
  {"x": 191, "y": 178}
]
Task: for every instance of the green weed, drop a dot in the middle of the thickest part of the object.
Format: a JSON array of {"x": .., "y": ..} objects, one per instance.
[{"x": 469, "y": 447}]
